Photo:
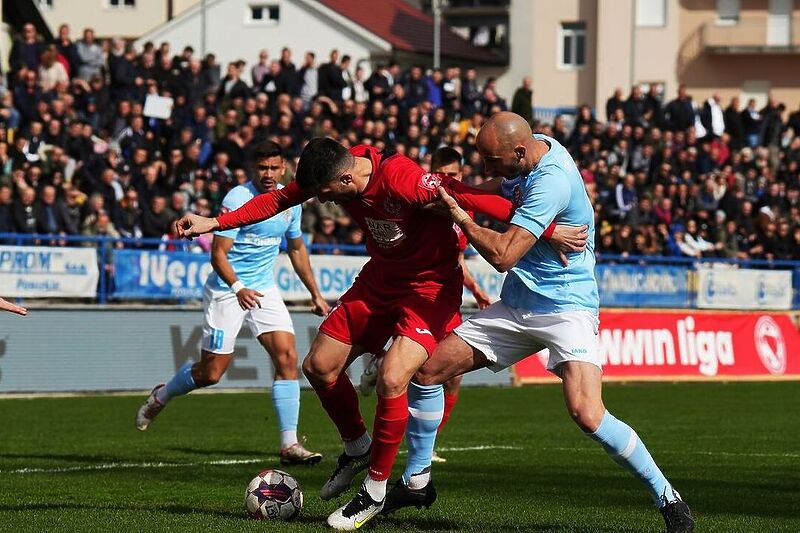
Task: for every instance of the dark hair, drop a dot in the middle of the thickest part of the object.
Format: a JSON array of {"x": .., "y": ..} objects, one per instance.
[
  {"x": 266, "y": 150},
  {"x": 444, "y": 156},
  {"x": 321, "y": 161}
]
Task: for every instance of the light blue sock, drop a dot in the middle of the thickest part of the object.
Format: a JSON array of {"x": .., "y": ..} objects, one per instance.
[
  {"x": 180, "y": 384},
  {"x": 425, "y": 410},
  {"x": 286, "y": 400},
  {"x": 626, "y": 448}
]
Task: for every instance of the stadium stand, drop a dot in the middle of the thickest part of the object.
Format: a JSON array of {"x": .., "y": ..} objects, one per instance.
[{"x": 78, "y": 156}]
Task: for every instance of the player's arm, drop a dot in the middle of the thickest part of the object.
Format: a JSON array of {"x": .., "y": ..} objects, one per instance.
[
  {"x": 220, "y": 246},
  {"x": 259, "y": 208},
  {"x": 298, "y": 255},
  {"x": 469, "y": 282},
  {"x": 503, "y": 250},
  {"x": 492, "y": 185},
  {"x": 483, "y": 201},
  {"x": 5, "y": 305}
]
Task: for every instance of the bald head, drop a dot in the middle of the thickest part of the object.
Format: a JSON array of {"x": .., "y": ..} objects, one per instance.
[
  {"x": 502, "y": 133},
  {"x": 507, "y": 146}
]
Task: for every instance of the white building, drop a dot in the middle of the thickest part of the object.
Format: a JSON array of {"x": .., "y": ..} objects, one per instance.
[{"x": 238, "y": 29}]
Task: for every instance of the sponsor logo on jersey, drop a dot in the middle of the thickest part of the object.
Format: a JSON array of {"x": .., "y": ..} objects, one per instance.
[
  {"x": 516, "y": 196},
  {"x": 424, "y": 331},
  {"x": 770, "y": 345},
  {"x": 430, "y": 181},
  {"x": 385, "y": 232},
  {"x": 258, "y": 240}
]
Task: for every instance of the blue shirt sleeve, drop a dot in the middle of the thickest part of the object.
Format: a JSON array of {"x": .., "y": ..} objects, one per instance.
[
  {"x": 546, "y": 195},
  {"x": 235, "y": 199},
  {"x": 293, "y": 232}
]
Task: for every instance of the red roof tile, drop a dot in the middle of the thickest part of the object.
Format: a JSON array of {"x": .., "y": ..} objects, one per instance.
[{"x": 407, "y": 28}]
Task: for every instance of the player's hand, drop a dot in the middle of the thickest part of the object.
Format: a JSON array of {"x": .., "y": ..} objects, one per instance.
[
  {"x": 481, "y": 298},
  {"x": 248, "y": 298},
  {"x": 191, "y": 225},
  {"x": 5, "y": 305},
  {"x": 458, "y": 215},
  {"x": 569, "y": 239},
  {"x": 437, "y": 208},
  {"x": 319, "y": 306}
]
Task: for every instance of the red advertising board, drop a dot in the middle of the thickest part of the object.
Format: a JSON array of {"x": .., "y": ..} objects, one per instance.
[{"x": 689, "y": 345}]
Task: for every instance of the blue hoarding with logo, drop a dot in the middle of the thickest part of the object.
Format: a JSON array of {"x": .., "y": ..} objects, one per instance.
[
  {"x": 643, "y": 286},
  {"x": 159, "y": 274}
]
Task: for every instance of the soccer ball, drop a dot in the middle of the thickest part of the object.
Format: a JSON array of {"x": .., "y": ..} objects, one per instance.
[{"x": 273, "y": 495}]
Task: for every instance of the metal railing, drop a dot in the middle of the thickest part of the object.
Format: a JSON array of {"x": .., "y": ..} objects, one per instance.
[
  {"x": 106, "y": 247},
  {"x": 752, "y": 35}
]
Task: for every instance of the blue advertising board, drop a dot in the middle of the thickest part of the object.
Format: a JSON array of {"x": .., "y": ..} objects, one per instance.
[{"x": 643, "y": 285}]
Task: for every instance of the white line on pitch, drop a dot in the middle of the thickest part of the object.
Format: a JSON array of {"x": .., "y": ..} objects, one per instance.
[
  {"x": 474, "y": 448},
  {"x": 115, "y": 466}
]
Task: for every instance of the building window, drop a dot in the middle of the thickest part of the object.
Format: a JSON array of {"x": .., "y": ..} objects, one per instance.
[
  {"x": 661, "y": 88},
  {"x": 122, "y": 3},
  {"x": 728, "y": 11},
  {"x": 44, "y": 4},
  {"x": 263, "y": 14},
  {"x": 651, "y": 13},
  {"x": 573, "y": 44}
]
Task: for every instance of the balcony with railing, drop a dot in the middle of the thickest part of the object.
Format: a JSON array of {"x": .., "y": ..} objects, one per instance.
[{"x": 752, "y": 35}]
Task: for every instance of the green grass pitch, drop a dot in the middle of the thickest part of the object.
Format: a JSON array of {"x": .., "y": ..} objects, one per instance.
[{"x": 733, "y": 450}]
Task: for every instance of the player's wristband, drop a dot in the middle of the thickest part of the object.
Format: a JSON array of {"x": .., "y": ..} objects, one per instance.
[
  {"x": 237, "y": 286},
  {"x": 548, "y": 233}
]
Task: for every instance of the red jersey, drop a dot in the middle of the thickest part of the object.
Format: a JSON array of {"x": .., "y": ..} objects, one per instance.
[{"x": 405, "y": 242}]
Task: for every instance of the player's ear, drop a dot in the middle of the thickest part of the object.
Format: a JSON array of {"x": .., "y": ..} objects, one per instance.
[
  {"x": 519, "y": 152},
  {"x": 346, "y": 179}
]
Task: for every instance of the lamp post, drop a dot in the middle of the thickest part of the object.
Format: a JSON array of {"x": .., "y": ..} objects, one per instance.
[
  {"x": 437, "y": 32},
  {"x": 203, "y": 28}
]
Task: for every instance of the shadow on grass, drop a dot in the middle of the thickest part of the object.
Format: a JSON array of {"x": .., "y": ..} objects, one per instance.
[
  {"x": 415, "y": 523},
  {"x": 170, "y": 508}
]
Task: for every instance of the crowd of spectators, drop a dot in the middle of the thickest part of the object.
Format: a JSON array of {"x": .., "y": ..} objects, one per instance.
[{"x": 78, "y": 155}]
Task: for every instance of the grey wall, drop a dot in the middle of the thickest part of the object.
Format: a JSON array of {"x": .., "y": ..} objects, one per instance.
[{"x": 111, "y": 350}]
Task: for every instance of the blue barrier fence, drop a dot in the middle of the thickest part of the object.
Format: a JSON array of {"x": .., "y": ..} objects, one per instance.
[{"x": 176, "y": 270}]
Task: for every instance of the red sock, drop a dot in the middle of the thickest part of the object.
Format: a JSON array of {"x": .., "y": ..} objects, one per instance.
[
  {"x": 391, "y": 416},
  {"x": 449, "y": 402},
  {"x": 340, "y": 401}
]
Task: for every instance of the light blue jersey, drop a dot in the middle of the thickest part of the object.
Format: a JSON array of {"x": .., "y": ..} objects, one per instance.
[
  {"x": 255, "y": 246},
  {"x": 539, "y": 283}
]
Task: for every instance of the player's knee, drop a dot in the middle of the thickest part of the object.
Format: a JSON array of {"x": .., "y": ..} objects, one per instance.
[
  {"x": 314, "y": 372},
  {"x": 285, "y": 365},
  {"x": 451, "y": 385},
  {"x": 586, "y": 416},
  {"x": 208, "y": 376},
  {"x": 427, "y": 375},
  {"x": 390, "y": 384}
]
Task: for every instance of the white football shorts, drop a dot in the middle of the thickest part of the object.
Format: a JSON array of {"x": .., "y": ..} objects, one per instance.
[
  {"x": 507, "y": 335},
  {"x": 223, "y": 318}
]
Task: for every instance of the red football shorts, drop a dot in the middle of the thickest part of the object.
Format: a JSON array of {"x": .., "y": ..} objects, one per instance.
[
  {"x": 369, "y": 314},
  {"x": 454, "y": 323}
]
